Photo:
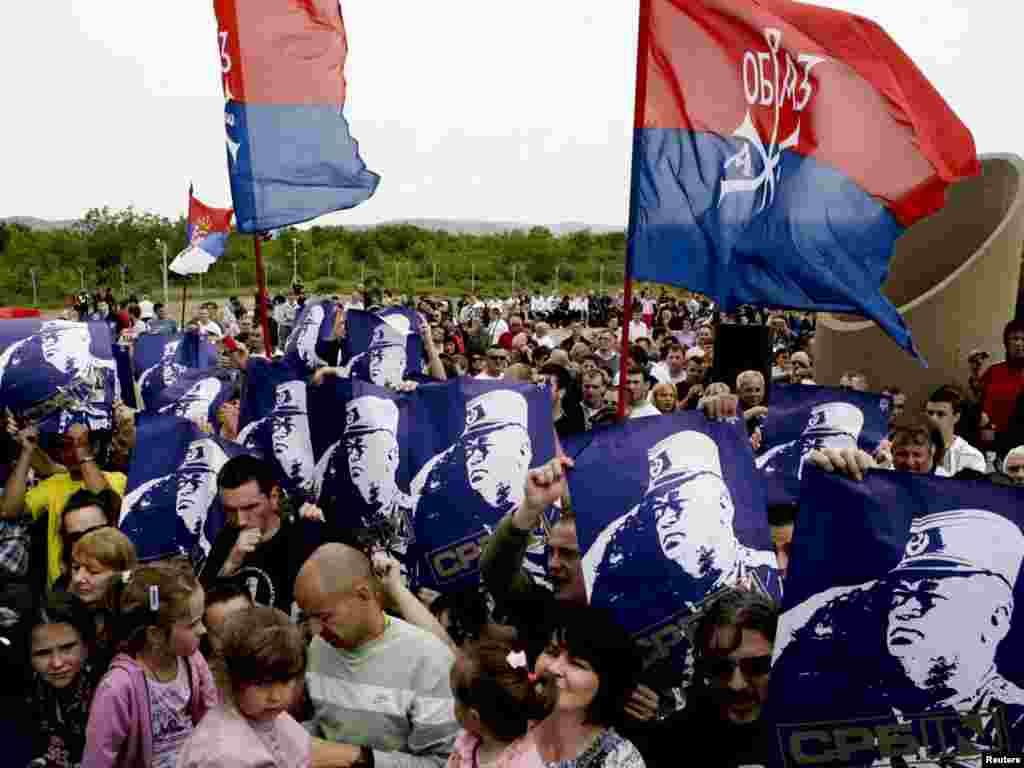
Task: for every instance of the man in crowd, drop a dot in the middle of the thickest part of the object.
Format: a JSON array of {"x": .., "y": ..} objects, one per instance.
[
  {"x": 378, "y": 686},
  {"x": 596, "y": 408},
  {"x": 76, "y": 452},
  {"x": 207, "y": 326},
  {"x": 160, "y": 323},
  {"x": 801, "y": 368},
  {"x": 638, "y": 387},
  {"x": 673, "y": 369},
  {"x": 257, "y": 548},
  {"x": 1003, "y": 383},
  {"x": 733, "y": 645},
  {"x": 943, "y": 410},
  {"x": 495, "y": 363},
  {"x": 515, "y": 327}
]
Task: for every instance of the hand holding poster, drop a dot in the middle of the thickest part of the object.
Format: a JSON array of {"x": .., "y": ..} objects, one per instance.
[
  {"x": 897, "y": 644},
  {"x": 669, "y": 511},
  {"x": 802, "y": 418}
]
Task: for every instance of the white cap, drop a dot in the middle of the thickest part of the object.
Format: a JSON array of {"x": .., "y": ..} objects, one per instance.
[
  {"x": 371, "y": 414},
  {"x": 695, "y": 353},
  {"x": 833, "y": 418},
  {"x": 290, "y": 396},
  {"x": 392, "y": 332},
  {"x": 964, "y": 541},
  {"x": 495, "y": 409},
  {"x": 682, "y": 456}
]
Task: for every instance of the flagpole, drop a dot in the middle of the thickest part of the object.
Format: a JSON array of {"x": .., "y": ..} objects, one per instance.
[
  {"x": 261, "y": 298},
  {"x": 184, "y": 302},
  {"x": 640, "y": 99}
]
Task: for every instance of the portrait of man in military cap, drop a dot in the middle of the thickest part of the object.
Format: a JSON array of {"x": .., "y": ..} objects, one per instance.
[
  {"x": 384, "y": 362},
  {"x": 367, "y": 458},
  {"x": 303, "y": 339},
  {"x": 830, "y": 425},
  {"x": 286, "y": 430},
  {"x": 191, "y": 491},
  {"x": 482, "y": 475},
  {"x": 163, "y": 373},
  {"x": 937, "y": 621},
  {"x": 683, "y": 531},
  {"x": 195, "y": 404},
  {"x": 54, "y": 369}
]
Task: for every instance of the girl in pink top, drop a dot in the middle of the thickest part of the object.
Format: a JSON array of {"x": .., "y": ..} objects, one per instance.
[
  {"x": 262, "y": 664},
  {"x": 158, "y": 686},
  {"x": 496, "y": 697}
]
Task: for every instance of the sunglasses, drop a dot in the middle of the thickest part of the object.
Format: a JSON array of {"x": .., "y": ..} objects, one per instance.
[
  {"x": 498, "y": 358},
  {"x": 723, "y": 668},
  {"x": 73, "y": 538}
]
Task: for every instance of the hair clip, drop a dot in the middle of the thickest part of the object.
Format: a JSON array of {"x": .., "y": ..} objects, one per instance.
[
  {"x": 516, "y": 659},
  {"x": 531, "y": 676},
  {"x": 154, "y": 598}
]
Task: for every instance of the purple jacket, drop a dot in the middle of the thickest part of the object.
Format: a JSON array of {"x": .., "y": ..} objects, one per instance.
[{"x": 120, "y": 730}]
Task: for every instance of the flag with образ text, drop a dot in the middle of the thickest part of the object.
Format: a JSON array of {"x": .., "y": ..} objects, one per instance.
[
  {"x": 779, "y": 151},
  {"x": 290, "y": 155}
]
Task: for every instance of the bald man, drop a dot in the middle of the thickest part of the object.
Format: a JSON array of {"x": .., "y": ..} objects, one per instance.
[{"x": 378, "y": 686}]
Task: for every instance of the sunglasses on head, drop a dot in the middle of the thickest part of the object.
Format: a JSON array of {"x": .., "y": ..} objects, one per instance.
[
  {"x": 73, "y": 538},
  {"x": 723, "y": 668}
]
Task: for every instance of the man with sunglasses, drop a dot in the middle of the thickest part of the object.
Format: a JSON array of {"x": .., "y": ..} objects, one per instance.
[
  {"x": 732, "y": 645},
  {"x": 495, "y": 363}
]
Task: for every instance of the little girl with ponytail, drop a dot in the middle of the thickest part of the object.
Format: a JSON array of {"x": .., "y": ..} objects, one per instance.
[
  {"x": 496, "y": 699},
  {"x": 158, "y": 686}
]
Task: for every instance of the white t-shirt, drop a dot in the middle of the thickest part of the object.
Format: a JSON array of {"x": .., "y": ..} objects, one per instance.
[
  {"x": 663, "y": 375},
  {"x": 642, "y": 411},
  {"x": 547, "y": 341},
  {"x": 961, "y": 455},
  {"x": 648, "y": 305},
  {"x": 210, "y": 329},
  {"x": 146, "y": 309},
  {"x": 486, "y": 376}
]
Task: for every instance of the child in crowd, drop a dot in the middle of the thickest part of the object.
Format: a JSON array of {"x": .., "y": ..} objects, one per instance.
[
  {"x": 262, "y": 662},
  {"x": 495, "y": 698},
  {"x": 158, "y": 686},
  {"x": 57, "y": 705}
]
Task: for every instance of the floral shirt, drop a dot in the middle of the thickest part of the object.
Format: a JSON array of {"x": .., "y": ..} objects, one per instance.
[
  {"x": 62, "y": 715},
  {"x": 609, "y": 750}
]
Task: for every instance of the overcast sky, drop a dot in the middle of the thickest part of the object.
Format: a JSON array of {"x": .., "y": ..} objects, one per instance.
[{"x": 467, "y": 108}]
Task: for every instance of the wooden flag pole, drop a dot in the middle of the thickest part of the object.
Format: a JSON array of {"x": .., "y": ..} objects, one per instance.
[
  {"x": 184, "y": 302},
  {"x": 639, "y": 102},
  {"x": 261, "y": 298}
]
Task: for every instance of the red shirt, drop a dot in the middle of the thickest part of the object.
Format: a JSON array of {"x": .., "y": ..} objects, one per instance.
[
  {"x": 1002, "y": 385},
  {"x": 505, "y": 340}
]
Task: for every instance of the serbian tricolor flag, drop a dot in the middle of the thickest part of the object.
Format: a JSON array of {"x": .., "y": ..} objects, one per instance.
[
  {"x": 291, "y": 157},
  {"x": 780, "y": 149},
  {"x": 207, "y": 233}
]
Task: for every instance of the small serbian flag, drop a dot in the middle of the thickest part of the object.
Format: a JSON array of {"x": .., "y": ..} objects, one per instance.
[
  {"x": 207, "y": 233},
  {"x": 291, "y": 157},
  {"x": 780, "y": 149}
]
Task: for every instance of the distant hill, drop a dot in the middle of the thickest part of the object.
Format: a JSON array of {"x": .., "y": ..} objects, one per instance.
[
  {"x": 477, "y": 227},
  {"x": 40, "y": 224}
]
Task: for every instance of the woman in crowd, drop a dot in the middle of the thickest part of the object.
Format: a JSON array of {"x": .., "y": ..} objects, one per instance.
[
  {"x": 495, "y": 700},
  {"x": 263, "y": 659},
  {"x": 84, "y": 512},
  {"x": 158, "y": 686},
  {"x": 64, "y": 679},
  {"x": 593, "y": 663},
  {"x": 97, "y": 558}
]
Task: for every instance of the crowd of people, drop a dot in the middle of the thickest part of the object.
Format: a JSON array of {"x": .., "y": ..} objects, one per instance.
[{"x": 155, "y": 664}]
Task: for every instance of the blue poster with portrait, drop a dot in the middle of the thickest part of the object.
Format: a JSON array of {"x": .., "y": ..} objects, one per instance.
[
  {"x": 804, "y": 417},
  {"x": 471, "y": 445},
  {"x": 274, "y": 421},
  {"x": 314, "y": 322},
  {"x": 57, "y": 372},
  {"x": 160, "y": 359},
  {"x": 197, "y": 395},
  {"x": 383, "y": 347},
  {"x": 670, "y": 513},
  {"x": 171, "y": 505},
  {"x": 901, "y": 635},
  {"x": 360, "y": 438}
]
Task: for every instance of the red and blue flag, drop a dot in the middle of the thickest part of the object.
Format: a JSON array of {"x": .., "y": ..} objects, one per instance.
[
  {"x": 780, "y": 149},
  {"x": 207, "y": 232},
  {"x": 291, "y": 156}
]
